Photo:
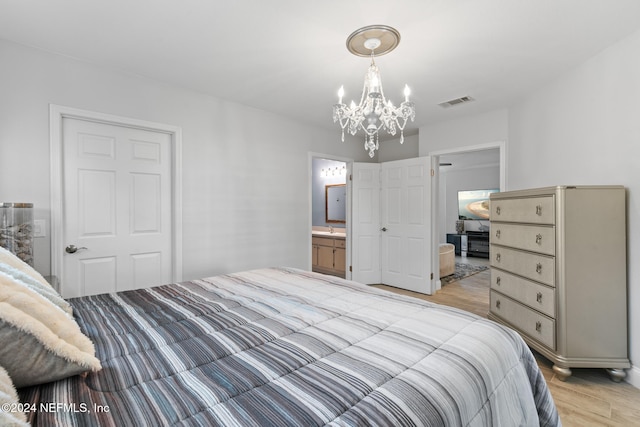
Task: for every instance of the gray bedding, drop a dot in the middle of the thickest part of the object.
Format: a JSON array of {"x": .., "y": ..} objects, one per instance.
[{"x": 284, "y": 347}]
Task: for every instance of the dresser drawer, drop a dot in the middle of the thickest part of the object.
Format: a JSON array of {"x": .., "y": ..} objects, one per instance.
[
  {"x": 534, "y": 210},
  {"x": 534, "y": 238},
  {"x": 539, "y": 297},
  {"x": 322, "y": 241},
  {"x": 340, "y": 243},
  {"x": 540, "y": 268},
  {"x": 533, "y": 324}
]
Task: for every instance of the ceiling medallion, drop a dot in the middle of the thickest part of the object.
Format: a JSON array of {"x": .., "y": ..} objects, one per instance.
[{"x": 374, "y": 111}]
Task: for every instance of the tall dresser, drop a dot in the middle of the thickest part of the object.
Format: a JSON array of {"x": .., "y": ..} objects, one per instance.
[{"x": 559, "y": 274}]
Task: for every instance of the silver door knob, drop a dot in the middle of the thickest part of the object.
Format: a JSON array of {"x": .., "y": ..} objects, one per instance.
[
  {"x": 72, "y": 249},
  {"x": 383, "y": 229}
]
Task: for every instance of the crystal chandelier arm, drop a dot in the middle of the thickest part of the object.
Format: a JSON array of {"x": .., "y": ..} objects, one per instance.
[
  {"x": 406, "y": 111},
  {"x": 339, "y": 115}
]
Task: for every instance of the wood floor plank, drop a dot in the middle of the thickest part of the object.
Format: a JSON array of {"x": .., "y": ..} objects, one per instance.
[
  {"x": 587, "y": 398},
  {"x": 575, "y": 401}
]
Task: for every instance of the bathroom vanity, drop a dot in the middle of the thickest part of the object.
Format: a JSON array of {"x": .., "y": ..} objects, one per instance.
[{"x": 328, "y": 253}]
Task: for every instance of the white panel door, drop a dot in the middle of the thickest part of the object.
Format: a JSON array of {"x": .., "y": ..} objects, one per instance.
[
  {"x": 116, "y": 208},
  {"x": 365, "y": 223},
  {"x": 406, "y": 224}
]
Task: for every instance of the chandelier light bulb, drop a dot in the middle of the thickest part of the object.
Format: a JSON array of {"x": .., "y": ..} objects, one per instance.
[
  {"x": 407, "y": 92},
  {"x": 340, "y": 94}
]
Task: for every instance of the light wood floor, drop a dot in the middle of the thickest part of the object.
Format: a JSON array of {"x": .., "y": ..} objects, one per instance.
[{"x": 587, "y": 398}]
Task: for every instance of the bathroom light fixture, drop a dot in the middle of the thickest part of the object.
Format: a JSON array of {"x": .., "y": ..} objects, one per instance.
[
  {"x": 336, "y": 171},
  {"x": 374, "y": 111}
]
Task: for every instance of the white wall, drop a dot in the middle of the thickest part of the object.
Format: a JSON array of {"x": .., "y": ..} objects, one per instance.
[
  {"x": 392, "y": 149},
  {"x": 583, "y": 128},
  {"x": 471, "y": 131},
  {"x": 246, "y": 181}
]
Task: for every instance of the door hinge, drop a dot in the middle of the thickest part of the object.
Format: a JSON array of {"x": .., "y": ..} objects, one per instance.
[
  {"x": 350, "y": 268},
  {"x": 431, "y": 276},
  {"x": 433, "y": 172},
  {"x": 350, "y": 177}
]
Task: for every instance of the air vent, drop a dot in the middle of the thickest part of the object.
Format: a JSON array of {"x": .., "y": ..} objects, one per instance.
[{"x": 456, "y": 101}]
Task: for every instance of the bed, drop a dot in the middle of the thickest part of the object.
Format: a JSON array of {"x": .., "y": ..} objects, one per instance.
[{"x": 286, "y": 347}]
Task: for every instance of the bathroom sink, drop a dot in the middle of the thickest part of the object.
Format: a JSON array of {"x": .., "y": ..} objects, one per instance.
[{"x": 328, "y": 233}]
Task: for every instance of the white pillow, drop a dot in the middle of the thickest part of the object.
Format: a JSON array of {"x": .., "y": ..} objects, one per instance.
[
  {"x": 46, "y": 291},
  {"x": 11, "y": 259},
  {"x": 9, "y": 414},
  {"x": 40, "y": 342}
]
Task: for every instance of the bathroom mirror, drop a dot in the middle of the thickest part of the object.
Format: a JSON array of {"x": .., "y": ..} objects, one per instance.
[{"x": 335, "y": 199}]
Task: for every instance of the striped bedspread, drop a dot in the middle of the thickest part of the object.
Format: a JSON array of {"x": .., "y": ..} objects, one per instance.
[{"x": 284, "y": 347}]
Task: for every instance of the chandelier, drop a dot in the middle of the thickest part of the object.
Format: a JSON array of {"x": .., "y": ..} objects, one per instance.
[{"x": 374, "y": 111}]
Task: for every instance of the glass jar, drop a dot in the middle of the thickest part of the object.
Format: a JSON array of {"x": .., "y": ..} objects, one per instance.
[{"x": 16, "y": 229}]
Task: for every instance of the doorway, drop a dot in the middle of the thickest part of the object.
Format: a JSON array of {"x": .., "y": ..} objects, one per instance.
[
  {"x": 472, "y": 167},
  {"x": 329, "y": 217},
  {"x": 116, "y": 198}
]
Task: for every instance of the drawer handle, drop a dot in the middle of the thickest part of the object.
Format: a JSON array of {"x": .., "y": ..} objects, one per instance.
[
  {"x": 539, "y": 210},
  {"x": 498, "y": 304},
  {"x": 498, "y": 257},
  {"x": 538, "y": 239},
  {"x": 498, "y": 234},
  {"x": 538, "y": 326},
  {"x": 538, "y": 268},
  {"x": 498, "y": 210},
  {"x": 539, "y": 297},
  {"x": 498, "y": 280}
]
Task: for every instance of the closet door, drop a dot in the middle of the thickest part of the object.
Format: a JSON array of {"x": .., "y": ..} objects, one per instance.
[
  {"x": 391, "y": 217},
  {"x": 365, "y": 235},
  {"x": 405, "y": 208},
  {"x": 117, "y": 224}
]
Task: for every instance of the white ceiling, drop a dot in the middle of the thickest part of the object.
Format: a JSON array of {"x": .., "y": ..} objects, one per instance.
[{"x": 289, "y": 56}]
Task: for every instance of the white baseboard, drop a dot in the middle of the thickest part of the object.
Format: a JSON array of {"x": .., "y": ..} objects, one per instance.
[{"x": 633, "y": 376}]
